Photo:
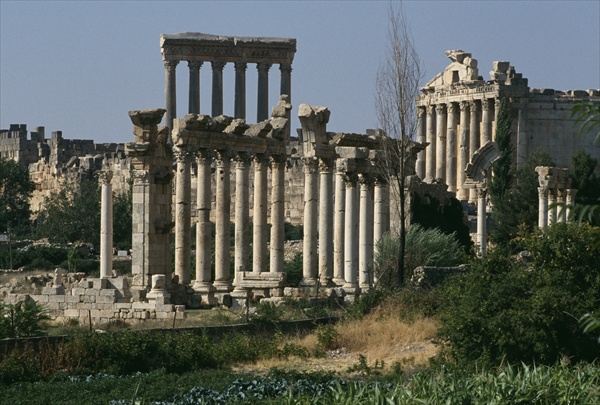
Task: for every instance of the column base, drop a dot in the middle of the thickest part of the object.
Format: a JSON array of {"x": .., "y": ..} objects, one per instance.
[
  {"x": 338, "y": 282},
  {"x": 205, "y": 291}
]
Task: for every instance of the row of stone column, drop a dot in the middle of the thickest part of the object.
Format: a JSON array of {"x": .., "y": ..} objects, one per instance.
[
  {"x": 341, "y": 226},
  {"x": 223, "y": 160},
  {"x": 556, "y": 198},
  {"x": 217, "y": 88}
]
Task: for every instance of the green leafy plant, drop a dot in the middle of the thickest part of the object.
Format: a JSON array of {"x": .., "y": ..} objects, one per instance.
[{"x": 21, "y": 319}]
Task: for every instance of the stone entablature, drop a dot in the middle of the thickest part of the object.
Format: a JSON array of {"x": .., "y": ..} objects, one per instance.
[{"x": 457, "y": 114}]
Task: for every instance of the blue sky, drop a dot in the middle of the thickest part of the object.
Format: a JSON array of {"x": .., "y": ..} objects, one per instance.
[{"x": 79, "y": 66}]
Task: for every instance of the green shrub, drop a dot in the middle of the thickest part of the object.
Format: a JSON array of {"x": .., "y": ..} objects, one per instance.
[
  {"x": 21, "y": 319},
  {"x": 506, "y": 310},
  {"x": 293, "y": 270}
]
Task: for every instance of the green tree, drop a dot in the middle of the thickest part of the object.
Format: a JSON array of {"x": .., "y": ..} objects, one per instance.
[
  {"x": 15, "y": 191},
  {"x": 122, "y": 225},
  {"x": 21, "y": 319},
  {"x": 72, "y": 214},
  {"x": 507, "y": 310}
]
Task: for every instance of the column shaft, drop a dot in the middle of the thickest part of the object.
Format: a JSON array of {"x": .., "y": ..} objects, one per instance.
[
  {"x": 543, "y": 207},
  {"x": 242, "y": 215},
  {"x": 441, "y": 142},
  {"x": 365, "y": 234},
  {"x": 222, "y": 224},
  {"x": 463, "y": 154},
  {"x": 217, "y": 88},
  {"x": 286, "y": 80},
  {"x": 338, "y": 227},
  {"x": 552, "y": 209},
  {"x": 106, "y": 225},
  {"x": 481, "y": 221},
  {"x": 240, "y": 90},
  {"x": 474, "y": 139},
  {"x": 183, "y": 198},
  {"x": 326, "y": 222},
  {"x": 487, "y": 106},
  {"x": 311, "y": 198},
  {"x": 351, "y": 235},
  {"x": 262, "y": 104},
  {"x": 259, "y": 239},
  {"x": 451, "y": 149},
  {"x": 194, "y": 92},
  {"x": 170, "y": 92},
  {"x": 203, "y": 226},
  {"x": 430, "y": 154},
  {"x": 421, "y": 138},
  {"x": 277, "y": 212}
]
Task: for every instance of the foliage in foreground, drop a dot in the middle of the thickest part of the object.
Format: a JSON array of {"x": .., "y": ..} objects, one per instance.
[
  {"x": 15, "y": 190},
  {"x": 558, "y": 384},
  {"x": 508, "y": 310},
  {"x": 21, "y": 319}
]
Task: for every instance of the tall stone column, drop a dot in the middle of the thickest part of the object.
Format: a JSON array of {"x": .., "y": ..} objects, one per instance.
[
  {"x": 203, "y": 282},
  {"x": 240, "y": 90},
  {"x": 106, "y": 224},
  {"x": 351, "y": 235},
  {"x": 222, "y": 224},
  {"x": 277, "y": 212},
  {"x": 451, "y": 148},
  {"x": 441, "y": 142},
  {"x": 286, "y": 88},
  {"x": 326, "y": 221},
  {"x": 194, "y": 93},
  {"x": 379, "y": 208},
  {"x": 474, "y": 139},
  {"x": 430, "y": 154},
  {"x": 311, "y": 198},
  {"x": 339, "y": 211},
  {"x": 259, "y": 239},
  {"x": 183, "y": 199},
  {"x": 262, "y": 104},
  {"x": 543, "y": 207},
  {"x": 522, "y": 133},
  {"x": 487, "y": 106},
  {"x": 481, "y": 220},
  {"x": 552, "y": 207},
  {"x": 571, "y": 193},
  {"x": 217, "y": 87},
  {"x": 365, "y": 233},
  {"x": 242, "y": 215},
  {"x": 170, "y": 92},
  {"x": 421, "y": 138},
  {"x": 463, "y": 151}
]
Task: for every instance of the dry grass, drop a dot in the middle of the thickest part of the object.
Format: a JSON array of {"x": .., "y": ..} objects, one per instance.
[{"x": 380, "y": 336}]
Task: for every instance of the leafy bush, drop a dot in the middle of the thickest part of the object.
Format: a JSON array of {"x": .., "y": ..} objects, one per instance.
[
  {"x": 21, "y": 319},
  {"x": 424, "y": 247},
  {"x": 507, "y": 310},
  {"x": 293, "y": 270}
]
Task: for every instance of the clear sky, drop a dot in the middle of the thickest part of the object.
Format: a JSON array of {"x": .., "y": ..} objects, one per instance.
[{"x": 80, "y": 66}]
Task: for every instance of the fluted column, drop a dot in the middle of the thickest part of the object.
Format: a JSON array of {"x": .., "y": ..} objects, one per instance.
[
  {"x": 430, "y": 154},
  {"x": 240, "y": 90},
  {"x": 217, "y": 87},
  {"x": 170, "y": 92},
  {"x": 421, "y": 138},
  {"x": 259, "y": 239},
  {"x": 552, "y": 207},
  {"x": 380, "y": 207},
  {"x": 474, "y": 139},
  {"x": 106, "y": 224},
  {"x": 522, "y": 133},
  {"x": 338, "y": 225},
  {"x": 203, "y": 226},
  {"x": 262, "y": 104},
  {"x": 351, "y": 235},
  {"x": 222, "y": 224},
  {"x": 365, "y": 233},
  {"x": 311, "y": 198},
  {"x": 463, "y": 151},
  {"x": 451, "y": 148},
  {"x": 543, "y": 207},
  {"x": 326, "y": 221},
  {"x": 183, "y": 198},
  {"x": 277, "y": 212},
  {"x": 242, "y": 215},
  {"x": 487, "y": 106},
  {"x": 481, "y": 220},
  {"x": 440, "y": 160},
  {"x": 194, "y": 92}
]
